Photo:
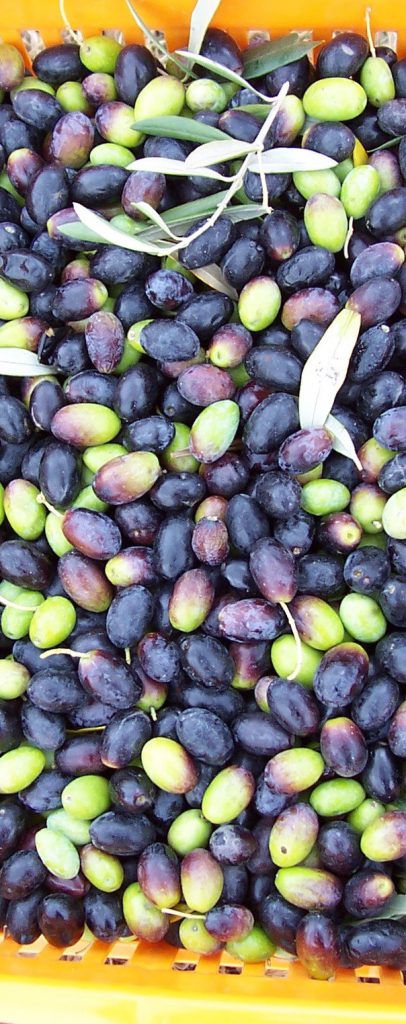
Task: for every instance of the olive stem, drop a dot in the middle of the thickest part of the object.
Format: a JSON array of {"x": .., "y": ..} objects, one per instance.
[
  {"x": 181, "y": 913},
  {"x": 153, "y": 714},
  {"x": 18, "y": 607},
  {"x": 299, "y": 649},
  {"x": 348, "y": 237},
  {"x": 43, "y": 501},
  {"x": 127, "y": 653},
  {"x": 368, "y": 13},
  {"x": 262, "y": 175},
  {"x": 65, "y": 650},
  {"x": 75, "y": 36}
]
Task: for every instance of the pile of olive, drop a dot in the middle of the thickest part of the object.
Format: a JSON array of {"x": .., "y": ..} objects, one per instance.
[{"x": 173, "y": 762}]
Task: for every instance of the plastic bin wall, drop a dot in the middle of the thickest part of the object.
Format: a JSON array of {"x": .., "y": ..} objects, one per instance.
[{"x": 136, "y": 983}]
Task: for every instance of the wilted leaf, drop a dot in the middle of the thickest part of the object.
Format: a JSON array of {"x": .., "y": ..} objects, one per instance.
[
  {"x": 172, "y": 127},
  {"x": 201, "y": 17},
  {"x": 221, "y": 71},
  {"x": 285, "y": 161},
  {"x": 262, "y": 59},
  {"x": 343, "y": 443},
  {"x": 17, "y": 362},
  {"x": 325, "y": 370}
]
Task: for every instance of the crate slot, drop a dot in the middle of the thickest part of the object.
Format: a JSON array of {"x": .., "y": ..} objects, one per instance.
[
  {"x": 230, "y": 969},
  {"x": 184, "y": 965},
  {"x": 276, "y": 972}
]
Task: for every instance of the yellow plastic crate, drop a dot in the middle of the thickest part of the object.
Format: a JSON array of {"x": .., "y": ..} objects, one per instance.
[{"x": 136, "y": 983}]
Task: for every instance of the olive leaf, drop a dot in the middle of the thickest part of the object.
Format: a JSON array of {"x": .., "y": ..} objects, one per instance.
[
  {"x": 258, "y": 110},
  {"x": 214, "y": 278},
  {"x": 221, "y": 71},
  {"x": 162, "y": 165},
  {"x": 153, "y": 215},
  {"x": 260, "y": 60},
  {"x": 326, "y": 368},
  {"x": 387, "y": 145},
  {"x": 201, "y": 17},
  {"x": 77, "y": 230},
  {"x": 217, "y": 152},
  {"x": 18, "y": 362},
  {"x": 395, "y": 908},
  {"x": 176, "y": 127},
  {"x": 156, "y": 44},
  {"x": 342, "y": 443},
  {"x": 114, "y": 236},
  {"x": 247, "y": 211},
  {"x": 285, "y": 161}
]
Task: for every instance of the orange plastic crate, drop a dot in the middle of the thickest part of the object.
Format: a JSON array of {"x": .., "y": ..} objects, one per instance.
[{"x": 136, "y": 983}]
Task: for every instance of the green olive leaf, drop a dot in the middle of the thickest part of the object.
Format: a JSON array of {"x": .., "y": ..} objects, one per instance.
[
  {"x": 214, "y": 278},
  {"x": 258, "y": 110},
  {"x": 325, "y": 370},
  {"x": 260, "y": 60},
  {"x": 285, "y": 161},
  {"x": 396, "y": 908},
  {"x": 154, "y": 40},
  {"x": 77, "y": 230},
  {"x": 160, "y": 165},
  {"x": 17, "y": 362},
  {"x": 114, "y": 236},
  {"x": 176, "y": 127},
  {"x": 221, "y": 71},
  {"x": 247, "y": 211},
  {"x": 217, "y": 152},
  {"x": 342, "y": 443},
  {"x": 387, "y": 145},
  {"x": 156, "y": 218},
  {"x": 202, "y": 15}
]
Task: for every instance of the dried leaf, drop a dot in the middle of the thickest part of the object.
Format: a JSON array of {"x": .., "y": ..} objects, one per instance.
[
  {"x": 260, "y": 60},
  {"x": 214, "y": 278},
  {"x": 342, "y": 440},
  {"x": 326, "y": 368},
  {"x": 217, "y": 152},
  {"x": 221, "y": 71},
  {"x": 17, "y": 362},
  {"x": 201, "y": 17},
  {"x": 172, "y": 127},
  {"x": 285, "y": 161},
  {"x": 114, "y": 236},
  {"x": 160, "y": 165}
]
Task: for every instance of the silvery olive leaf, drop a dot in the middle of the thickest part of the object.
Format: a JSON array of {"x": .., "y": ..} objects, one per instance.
[
  {"x": 201, "y": 16},
  {"x": 160, "y": 165},
  {"x": 17, "y": 362},
  {"x": 285, "y": 161},
  {"x": 221, "y": 71},
  {"x": 216, "y": 152},
  {"x": 214, "y": 278},
  {"x": 153, "y": 215},
  {"x": 114, "y": 236},
  {"x": 247, "y": 211},
  {"x": 342, "y": 443},
  {"x": 326, "y": 368}
]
